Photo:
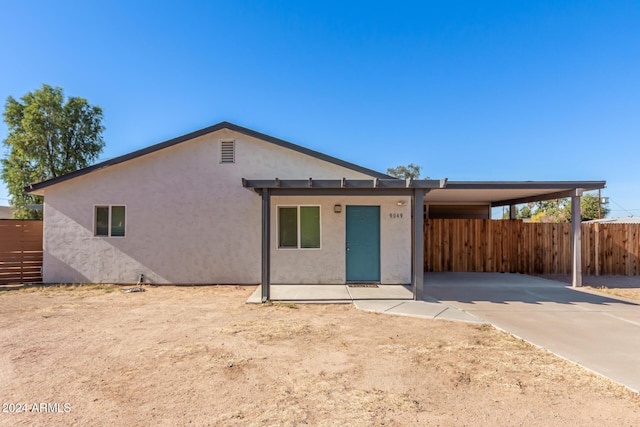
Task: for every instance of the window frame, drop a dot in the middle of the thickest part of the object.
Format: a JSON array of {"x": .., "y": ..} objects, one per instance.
[
  {"x": 298, "y": 228},
  {"x": 109, "y": 218}
]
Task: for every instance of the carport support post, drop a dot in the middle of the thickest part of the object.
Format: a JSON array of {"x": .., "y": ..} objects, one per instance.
[
  {"x": 418, "y": 244},
  {"x": 266, "y": 245},
  {"x": 576, "y": 240}
]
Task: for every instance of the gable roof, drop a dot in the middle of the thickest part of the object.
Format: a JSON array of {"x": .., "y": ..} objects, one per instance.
[{"x": 34, "y": 188}]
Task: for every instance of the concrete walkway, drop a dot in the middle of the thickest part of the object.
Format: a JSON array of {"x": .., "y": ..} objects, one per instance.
[
  {"x": 598, "y": 332},
  {"x": 389, "y": 299}
]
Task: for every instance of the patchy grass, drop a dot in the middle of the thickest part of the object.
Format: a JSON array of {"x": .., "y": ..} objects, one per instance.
[
  {"x": 278, "y": 304},
  {"x": 287, "y": 305}
]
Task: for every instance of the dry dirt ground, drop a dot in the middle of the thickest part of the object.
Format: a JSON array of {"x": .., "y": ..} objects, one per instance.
[{"x": 201, "y": 356}]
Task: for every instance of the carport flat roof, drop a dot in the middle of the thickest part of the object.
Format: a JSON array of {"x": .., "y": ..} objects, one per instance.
[{"x": 503, "y": 193}]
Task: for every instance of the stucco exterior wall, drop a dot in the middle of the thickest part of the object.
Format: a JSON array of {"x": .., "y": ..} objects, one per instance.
[
  {"x": 327, "y": 265},
  {"x": 188, "y": 218}
]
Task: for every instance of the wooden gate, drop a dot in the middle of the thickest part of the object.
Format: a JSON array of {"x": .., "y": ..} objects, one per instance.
[{"x": 20, "y": 251}]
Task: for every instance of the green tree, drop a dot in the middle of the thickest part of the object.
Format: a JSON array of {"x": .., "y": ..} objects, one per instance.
[
  {"x": 405, "y": 172},
  {"x": 524, "y": 212},
  {"x": 551, "y": 211},
  {"x": 560, "y": 210},
  {"x": 47, "y": 137},
  {"x": 589, "y": 207}
]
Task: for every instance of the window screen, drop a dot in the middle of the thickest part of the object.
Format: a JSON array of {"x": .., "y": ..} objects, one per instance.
[
  {"x": 117, "y": 221},
  {"x": 309, "y": 226}
]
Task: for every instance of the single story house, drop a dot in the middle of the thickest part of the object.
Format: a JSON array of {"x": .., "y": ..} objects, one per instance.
[{"x": 229, "y": 205}]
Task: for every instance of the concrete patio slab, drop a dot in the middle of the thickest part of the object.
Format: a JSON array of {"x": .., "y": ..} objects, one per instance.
[
  {"x": 325, "y": 294},
  {"x": 599, "y": 332}
]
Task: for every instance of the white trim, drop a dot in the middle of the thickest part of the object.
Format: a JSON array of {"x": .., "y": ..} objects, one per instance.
[
  {"x": 109, "y": 214},
  {"x": 298, "y": 230}
]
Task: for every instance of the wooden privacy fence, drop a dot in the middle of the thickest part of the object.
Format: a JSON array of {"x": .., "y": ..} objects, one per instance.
[
  {"x": 611, "y": 249},
  {"x": 475, "y": 245},
  {"x": 20, "y": 251}
]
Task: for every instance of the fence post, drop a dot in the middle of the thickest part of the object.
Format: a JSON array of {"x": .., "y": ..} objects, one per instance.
[{"x": 21, "y": 225}]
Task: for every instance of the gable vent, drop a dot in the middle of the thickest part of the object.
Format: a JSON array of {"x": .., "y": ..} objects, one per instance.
[{"x": 227, "y": 152}]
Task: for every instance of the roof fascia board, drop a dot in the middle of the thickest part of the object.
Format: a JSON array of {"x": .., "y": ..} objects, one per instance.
[{"x": 524, "y": 185}]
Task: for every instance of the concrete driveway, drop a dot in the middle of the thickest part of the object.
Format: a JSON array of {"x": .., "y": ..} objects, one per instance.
[{"x": 600, "y": 333}]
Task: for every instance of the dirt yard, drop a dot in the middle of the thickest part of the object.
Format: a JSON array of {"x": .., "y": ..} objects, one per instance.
[{"x": 201, "y": 356}]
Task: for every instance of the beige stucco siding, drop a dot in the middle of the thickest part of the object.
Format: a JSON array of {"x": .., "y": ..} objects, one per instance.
[
  {"x": 327, "y": 265},
  {"x": 188, "y": 218}
]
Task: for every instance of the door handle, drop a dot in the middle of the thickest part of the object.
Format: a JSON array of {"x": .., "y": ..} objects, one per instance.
[{"x": 348, "y": 248}]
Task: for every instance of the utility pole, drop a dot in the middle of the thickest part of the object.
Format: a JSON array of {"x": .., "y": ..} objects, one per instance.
[{"x": 599, "y": 205}]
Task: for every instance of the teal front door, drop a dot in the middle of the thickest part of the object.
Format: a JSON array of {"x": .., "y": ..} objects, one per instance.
[{"x": 363, "y": 243}]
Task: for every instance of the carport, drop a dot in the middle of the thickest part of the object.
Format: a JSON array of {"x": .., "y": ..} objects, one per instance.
[
  {"x": 512, "y": 193},
  {"x": 490, "y": 193}
]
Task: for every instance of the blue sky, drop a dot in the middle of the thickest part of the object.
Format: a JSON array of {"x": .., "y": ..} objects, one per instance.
[{"x": 470, "y": 90}]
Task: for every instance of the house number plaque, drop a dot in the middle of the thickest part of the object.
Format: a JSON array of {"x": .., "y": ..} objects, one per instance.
[{"x": 395, "y": 215}]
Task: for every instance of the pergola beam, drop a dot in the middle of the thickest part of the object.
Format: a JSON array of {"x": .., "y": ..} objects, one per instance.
[{"x": 376, "y": 183}]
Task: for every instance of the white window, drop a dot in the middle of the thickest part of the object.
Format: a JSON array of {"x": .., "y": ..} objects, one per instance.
[
  {"x": 109, "y": 220},
  {"x": 299, "y": 227},
  {"x": 227, "y": 152}
]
